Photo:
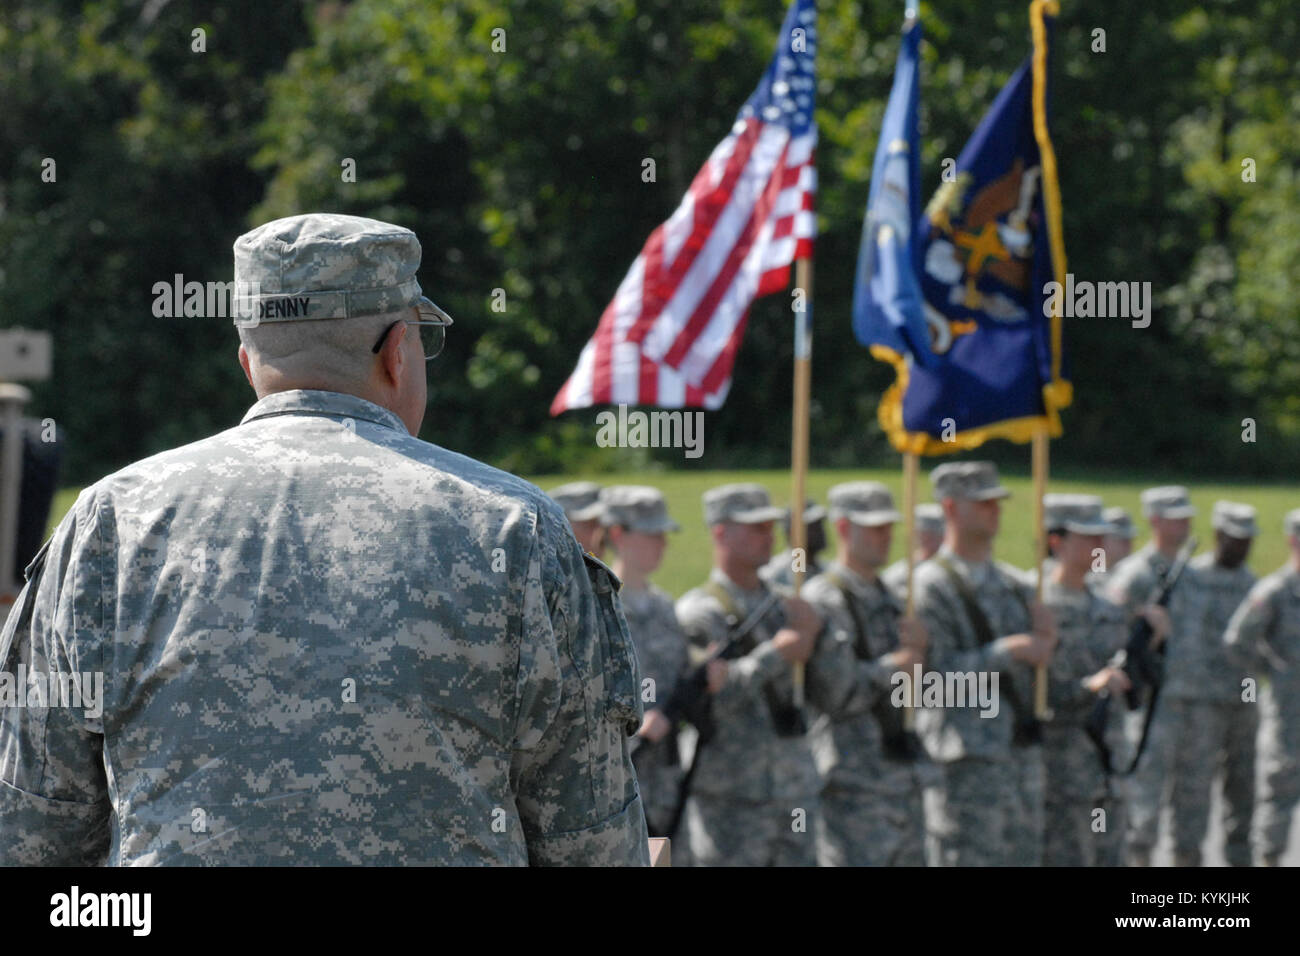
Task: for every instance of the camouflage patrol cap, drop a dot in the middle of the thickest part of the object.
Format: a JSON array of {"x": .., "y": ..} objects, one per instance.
[
  {"x": 1234, "y": 519},
  {"x": 742, "y": 503},
  {"x": 1291, "y": 523},
  {"x": 867, "y": 503},
  {"x": 1080, "y": 514},
  {"x": 1167, "y": 501},
  {"x": 1121, "y": 525},
  {"x": 973, "y": 480},
  {"x": 637, "y": 508},
  {"x": 327, "y": 266},
  {"x": 929, "y": 519},
  {"x": 579, "y": 499}
]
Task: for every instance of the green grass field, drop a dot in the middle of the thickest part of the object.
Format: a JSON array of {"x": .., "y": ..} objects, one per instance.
[{"x": 689, "y": 555}]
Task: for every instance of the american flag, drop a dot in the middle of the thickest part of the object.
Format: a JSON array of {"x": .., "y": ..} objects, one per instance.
[{"x": 671, "y": 334}]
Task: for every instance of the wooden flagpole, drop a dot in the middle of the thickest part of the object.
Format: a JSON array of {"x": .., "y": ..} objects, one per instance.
[
  {"x": 799, "y": 436},
  {"x": 909, "y": 543},
  {"x": 1039, "y": 467}
]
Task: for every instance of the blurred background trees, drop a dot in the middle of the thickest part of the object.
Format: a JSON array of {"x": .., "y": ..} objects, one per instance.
[{"x": 521, "y": 171}]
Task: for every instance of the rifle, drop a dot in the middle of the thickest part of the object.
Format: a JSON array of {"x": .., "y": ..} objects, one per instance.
[
  {"x": 1141, "y": 667},
  {"x": 691, "y": 699}
]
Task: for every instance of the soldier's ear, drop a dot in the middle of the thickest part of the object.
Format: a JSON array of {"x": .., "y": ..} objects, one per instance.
[{"x": 243, "y": 363}]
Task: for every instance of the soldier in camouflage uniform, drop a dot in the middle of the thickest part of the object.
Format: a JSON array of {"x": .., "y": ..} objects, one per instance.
[
  {"x": 636, "y": 524},
  {"x": 929, "y": 536},
  {"x": 1090, "y": 631},
  {"x": 582, "y": 506},
  {"x": 874, "y": 773},
  {"x": 1263, "y": 637},
  {"x": 1118, "y": 542},
  {"x": 988, "y": 811},
  {"x": 753, "y": 799},
  {"x": 322, "y": 640},
  {"x": 1133, "y": 584},
  {"x": 1226, "y": 725},
  {"x": 779, "y": 572}
]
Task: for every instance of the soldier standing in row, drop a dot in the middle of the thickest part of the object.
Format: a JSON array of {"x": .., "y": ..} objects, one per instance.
[
  {"x": 1089, "y": 631},
  {"x": 636, "y": 524},
  {"x": 929, "y": 536},
  {"x": 1133, "y": 585},
  {"x": 754, "y": 796},
  {"x": 581, "y": 503},
  {"x": 1225, "y": 724},
  {"x": 1118, "y": 542},
  {"x": 988, "y": 810},
  {"x": 874, "y": 771},
  {"x": 1264, "y": 639}
]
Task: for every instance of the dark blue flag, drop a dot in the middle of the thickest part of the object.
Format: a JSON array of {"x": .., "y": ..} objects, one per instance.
[{"x": 985, "y": 250}]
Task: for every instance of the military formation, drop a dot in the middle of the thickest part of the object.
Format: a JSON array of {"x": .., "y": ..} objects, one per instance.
[{"x": 919, "y": 739}]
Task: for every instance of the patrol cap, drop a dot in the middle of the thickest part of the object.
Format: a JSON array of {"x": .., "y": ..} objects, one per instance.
[
  {"x": 1167, "y": 501},
  {"x": 579, "y": 499},
  {"x": 637, "y": 508},
  {"x": 743, "y": 503},
  {"x": 327, "y": 266},
  {"x": 1291, "y": 523},
  {"x": 1121, "y": 525},
  {"x": 868, "y": 503},
  {"x": 973, "y": 480},
  {"x": 929, "y": 519},
  {"x": 1234, "y": 519},
  {"x": 1080, "y": 514}
]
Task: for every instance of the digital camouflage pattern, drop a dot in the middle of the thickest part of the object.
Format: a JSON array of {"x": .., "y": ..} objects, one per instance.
[
  {"x": 1187, "y": 676},
  {"x": 326, "y": 266},
  {"x": 662, "y": 654},
  {"x": 872, "y": 808},
  {"x": 989, "y": 809},
  {"x": 751, "y": 780},
  {"x": 323, "y": 641},
  {"x": 1090, "y": 631},
  {"x": 1226, "y": 726},
  {"x": 1264, "y": 639}
]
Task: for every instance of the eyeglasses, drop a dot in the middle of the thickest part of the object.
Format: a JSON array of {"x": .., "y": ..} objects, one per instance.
[{"x": 433, "y": 332}]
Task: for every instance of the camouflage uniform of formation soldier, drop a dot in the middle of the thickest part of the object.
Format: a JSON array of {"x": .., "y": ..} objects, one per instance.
[
  {"x": 1168, "y": 735},
  {"x": 988, "y": 807},
  {"x": 753, "y": 799},
  {"x": 1224, "y": 709},
  {"x": 874, "y": 770},
  {"x": 322, "y": 640},
  {"x": 636, "y": 524},
  {"x": 1263, "y": 638},
  {"x": 1081, "y": 802}
]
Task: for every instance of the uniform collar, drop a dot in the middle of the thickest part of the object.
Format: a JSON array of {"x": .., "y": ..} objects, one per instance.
[
  {"x": 976, "y": 572},
  {"x": 720, "y": 576},
  {"x": 303, "y": 401}
]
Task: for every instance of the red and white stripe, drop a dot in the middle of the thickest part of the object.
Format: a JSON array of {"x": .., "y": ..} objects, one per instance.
[{"x": 670, "y": 336}]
